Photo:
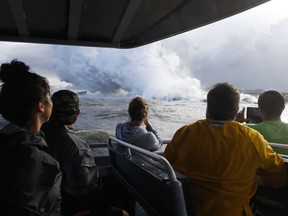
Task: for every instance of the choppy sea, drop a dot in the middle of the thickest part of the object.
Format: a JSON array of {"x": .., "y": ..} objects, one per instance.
[{"x": 98, "y": 116}]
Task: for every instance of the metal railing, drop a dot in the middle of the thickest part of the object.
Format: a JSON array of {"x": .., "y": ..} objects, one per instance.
[{"x": 166, "y": 165}]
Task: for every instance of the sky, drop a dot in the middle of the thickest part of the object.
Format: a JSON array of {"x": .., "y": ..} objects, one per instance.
[{"x": 248, "y": 50}]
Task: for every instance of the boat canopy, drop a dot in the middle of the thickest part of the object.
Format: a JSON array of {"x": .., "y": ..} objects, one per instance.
[{"x": 109, "y": 23}]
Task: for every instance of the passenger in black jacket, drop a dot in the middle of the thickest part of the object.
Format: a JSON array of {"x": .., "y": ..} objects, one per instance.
[
  {"x": 30, "y": 177},
  {"x": 81, "y": 186}
]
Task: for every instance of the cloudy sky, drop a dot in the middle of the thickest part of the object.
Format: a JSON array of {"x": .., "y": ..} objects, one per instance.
[{"x": 249, "y": 50}]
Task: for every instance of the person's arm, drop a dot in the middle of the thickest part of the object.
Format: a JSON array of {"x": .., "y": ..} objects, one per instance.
[
  {"x": 150, "y": 129},
  {"x": 79, "y": 168},
  {"x": 240, "y": 117},
  {"x": 170, "y": 152},
  {"x": 273, "y": 169}
]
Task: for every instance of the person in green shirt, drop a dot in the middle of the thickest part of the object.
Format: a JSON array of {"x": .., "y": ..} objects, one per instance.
[{"x": 271, "y": 104}]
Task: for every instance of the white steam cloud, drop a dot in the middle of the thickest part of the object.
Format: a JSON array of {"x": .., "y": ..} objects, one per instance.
[{"x": 150, "y": 71}]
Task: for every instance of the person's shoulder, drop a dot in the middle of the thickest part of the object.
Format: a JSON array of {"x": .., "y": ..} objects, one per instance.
[
  {"x": 242, "y": 130},
  {"x": 257, "y": 125},
  {"x": 248, "y": 128},
  {"x": 148, "y": 141},
  {"x": 124, "y": 128},
  {"x": 197, "y": 123},
  {"x": 268, "y": 124},
  {"x": 73, "y": 139},
  {"x": 58, "y": 136},
  {"x": 121, "y": 125},
  {"x": 244, "y": 126},
  {"x": 149, "y": 135},
  {"x": 51, "y": 129},
  {"x": 34, "y": 148},
  {"x": 253, "y": 132},
  {"x": 194, "y": 126}
]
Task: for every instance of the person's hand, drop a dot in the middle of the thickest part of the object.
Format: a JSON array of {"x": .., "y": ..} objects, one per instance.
[{"x": 241, "y": 118}]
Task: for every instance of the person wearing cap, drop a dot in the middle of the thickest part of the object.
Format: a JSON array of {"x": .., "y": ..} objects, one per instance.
[{"x": 81, "y": 185}]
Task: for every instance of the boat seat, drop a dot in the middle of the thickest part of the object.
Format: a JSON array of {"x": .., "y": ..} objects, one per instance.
[
  {"x": 151, "y": 180},
  {"x": 272, "y": 201}
]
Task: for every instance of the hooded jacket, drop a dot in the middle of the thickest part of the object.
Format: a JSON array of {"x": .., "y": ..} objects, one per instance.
[
  {"x": 80, "y": 173},
  {"x": 30, "y": 177},
  {"x": 141, "y": 136},
  {"x": 81, "y": 185}
]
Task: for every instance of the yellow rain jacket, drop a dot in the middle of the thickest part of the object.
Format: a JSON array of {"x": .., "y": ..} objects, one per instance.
[{"x": 222, "y": 158}]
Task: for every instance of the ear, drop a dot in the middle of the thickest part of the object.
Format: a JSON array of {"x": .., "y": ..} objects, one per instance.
[
  {"x": 40, "y": 106},
  {"x": 78, "y": 112}
]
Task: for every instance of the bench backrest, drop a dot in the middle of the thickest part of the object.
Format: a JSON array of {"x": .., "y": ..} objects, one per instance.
[{"x": 151, "y": 180}]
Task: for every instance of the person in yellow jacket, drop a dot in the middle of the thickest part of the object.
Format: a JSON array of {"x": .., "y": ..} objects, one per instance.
[{"x": 223, "y": 157}]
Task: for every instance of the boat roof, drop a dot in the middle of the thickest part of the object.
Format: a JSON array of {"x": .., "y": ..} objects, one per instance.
[{"x": 109, "y": 23}]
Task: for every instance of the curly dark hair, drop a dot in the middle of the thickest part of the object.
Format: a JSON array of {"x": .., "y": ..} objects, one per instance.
[{"x": 20, "y": 91}]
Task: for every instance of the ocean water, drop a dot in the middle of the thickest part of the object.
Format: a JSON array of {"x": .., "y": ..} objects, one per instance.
[{"x": 98, "y": 117}]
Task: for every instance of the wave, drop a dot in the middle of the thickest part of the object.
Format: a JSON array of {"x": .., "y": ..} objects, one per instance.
[
  {"x": 244, "y": 97},
  {"x": 248, "y": 98}
]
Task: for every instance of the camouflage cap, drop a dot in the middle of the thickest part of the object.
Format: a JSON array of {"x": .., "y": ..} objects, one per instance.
[{"x": 65, "y": 107}]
